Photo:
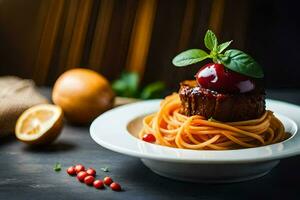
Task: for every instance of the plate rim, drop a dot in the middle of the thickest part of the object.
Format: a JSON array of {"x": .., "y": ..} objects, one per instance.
[{"x": 287, "y": 152}]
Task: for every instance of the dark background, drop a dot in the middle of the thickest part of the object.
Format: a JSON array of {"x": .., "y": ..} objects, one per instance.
[{"x": 41, "y": 39}]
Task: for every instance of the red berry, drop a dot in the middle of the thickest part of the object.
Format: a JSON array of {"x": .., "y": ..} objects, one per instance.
[
  {"x": 79, "y": 168},
  {"x": 98, "y": 184},
  {"x": 115, "y": 186},
  {"x": 89, "y": 180},
  {"x": 107, "y": 180},
  {"x": 91, "y": 171},
  {"x": 81, "y": 175},
  {"x": 216, "y": 77},
  {"x": 71, "y": 171},
  {"x": 149, "y": 138}
]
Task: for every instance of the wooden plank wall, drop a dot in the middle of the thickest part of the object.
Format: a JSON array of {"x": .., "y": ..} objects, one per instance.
[{"x": 40, "y": 39}]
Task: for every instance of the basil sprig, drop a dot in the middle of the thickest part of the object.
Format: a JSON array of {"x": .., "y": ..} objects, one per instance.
[
  {"x": 189, "y": 57},
  {"x": 233, "y": 59}
]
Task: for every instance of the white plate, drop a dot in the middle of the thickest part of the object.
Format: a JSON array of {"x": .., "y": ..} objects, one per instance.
[{"x": 116, "y": 130}]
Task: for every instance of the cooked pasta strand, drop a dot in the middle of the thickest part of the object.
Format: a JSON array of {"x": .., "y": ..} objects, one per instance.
[{"x": 173, "y": 129}]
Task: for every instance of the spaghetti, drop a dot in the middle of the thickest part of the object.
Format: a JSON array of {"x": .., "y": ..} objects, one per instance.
[{"x": 173, "y": 129}]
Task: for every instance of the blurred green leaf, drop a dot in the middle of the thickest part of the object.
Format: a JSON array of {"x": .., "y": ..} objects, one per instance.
[
  {"x": 105, "y": 169},
  {"x": 57, "y": 167},
  {"x": 153, "y": 90},
  {"x": 127, "y": 85}
]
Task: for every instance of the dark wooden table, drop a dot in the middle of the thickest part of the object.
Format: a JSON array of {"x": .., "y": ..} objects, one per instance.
[{"x": 27, "y": 173}]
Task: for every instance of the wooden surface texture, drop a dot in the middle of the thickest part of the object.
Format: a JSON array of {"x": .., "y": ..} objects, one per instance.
[{"x": 27, "y": 173}]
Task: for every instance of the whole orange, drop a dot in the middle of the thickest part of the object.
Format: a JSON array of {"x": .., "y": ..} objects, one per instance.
[{"x": 83, "y": 94}]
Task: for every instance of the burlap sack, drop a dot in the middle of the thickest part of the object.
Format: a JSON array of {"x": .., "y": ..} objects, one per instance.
[{"x": 16, "y": 95}]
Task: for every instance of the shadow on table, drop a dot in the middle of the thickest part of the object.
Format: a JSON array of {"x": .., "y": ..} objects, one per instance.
[
  {"x": 72, "y": 124},
  {"x": 7, "y": 139},
  {"x": 279, "y": 181},
  {"x": 55, "y": 147}
]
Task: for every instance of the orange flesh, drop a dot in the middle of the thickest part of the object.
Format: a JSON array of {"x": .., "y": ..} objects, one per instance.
[{"x": 32, "y": 123}]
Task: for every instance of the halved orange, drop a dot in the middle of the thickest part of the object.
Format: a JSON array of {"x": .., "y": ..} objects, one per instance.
[{"x": 40, "y": 124}]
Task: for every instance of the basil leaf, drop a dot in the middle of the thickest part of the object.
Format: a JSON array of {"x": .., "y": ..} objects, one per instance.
[
  {"x": 223, "y": 46},
  {"x": 153, "y": 90},
  {"x": 57, "y": 167},
  {"x": 127, "y": 85},
  {"x": 210, "y": 40},
  {"x": 242, "y": 63},
  {"x": 105, "y": 169},
  {"x": 189, "y": 57}
]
